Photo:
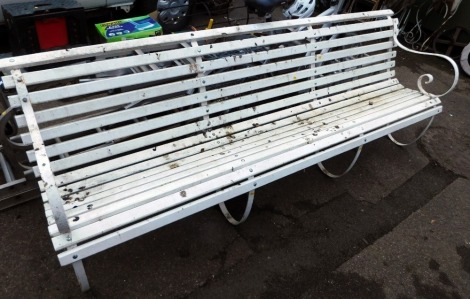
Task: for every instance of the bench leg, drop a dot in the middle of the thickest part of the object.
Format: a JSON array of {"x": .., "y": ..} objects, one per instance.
[
  {"x": 249, "y": 204},
  {"x": 335, "y": 176},
  {"x": 417, "y": 138},
  {"x": 81, "y": 275}
]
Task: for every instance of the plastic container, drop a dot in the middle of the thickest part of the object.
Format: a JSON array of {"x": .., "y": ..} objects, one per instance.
[{"x": 52, "y": 33}]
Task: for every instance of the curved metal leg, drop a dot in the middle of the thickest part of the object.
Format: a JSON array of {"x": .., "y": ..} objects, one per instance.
[
  {"x": 249, "y": 204},
  {"x": 416, "y": 139},
  {"x": 335, "y": 176}
]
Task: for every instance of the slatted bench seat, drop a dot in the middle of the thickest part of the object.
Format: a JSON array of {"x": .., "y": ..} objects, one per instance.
[{"x": 199, "y": 118}]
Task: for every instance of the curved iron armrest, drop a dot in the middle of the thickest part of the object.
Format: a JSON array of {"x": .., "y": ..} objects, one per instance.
[
  {"x": 15, "y": 152},
  {"x": 429, "y": 77},
  {"x": 5, "y": 118}
]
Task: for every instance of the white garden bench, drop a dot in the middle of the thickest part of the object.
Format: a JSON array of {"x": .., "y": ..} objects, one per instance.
[{"x": 204, "y": 117}]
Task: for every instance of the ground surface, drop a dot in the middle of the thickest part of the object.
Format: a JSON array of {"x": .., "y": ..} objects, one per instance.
[{"x": 397, "y": 226}]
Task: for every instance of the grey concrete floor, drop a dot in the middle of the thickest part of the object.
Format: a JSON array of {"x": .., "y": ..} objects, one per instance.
[{"x": 397, "y": 226}]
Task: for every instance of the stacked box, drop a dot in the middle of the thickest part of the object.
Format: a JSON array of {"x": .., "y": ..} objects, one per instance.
[
  {"x": 130, "y": 28},
  {"x": 44, "y": 25}
]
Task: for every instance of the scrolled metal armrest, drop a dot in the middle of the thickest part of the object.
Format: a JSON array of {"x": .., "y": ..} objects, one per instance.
[{"x": 429, "y": 77}]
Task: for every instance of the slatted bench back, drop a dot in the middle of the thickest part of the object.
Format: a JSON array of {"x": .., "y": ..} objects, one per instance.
[{"x": 200, "y": 88}]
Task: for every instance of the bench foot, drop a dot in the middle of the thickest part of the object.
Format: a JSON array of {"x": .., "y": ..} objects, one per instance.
[
  {"x": 249, "y": 204},
  {"x": 81, "y": 276},
  {"x": 416, "y": 139},
  {"x": 335, "y": 176}
]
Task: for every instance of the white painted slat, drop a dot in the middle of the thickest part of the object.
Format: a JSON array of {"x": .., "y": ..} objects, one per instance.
[
  {"x": 147, "y": 93},
  {"x": 153, "y": 207},
  {"x": 198, "y": 149},
  {"x": 158, "y": 42},
  {"x": 123, "y": 147},
  {"x": 289, "y": 138},
  {"x": 237, "y": 132},
  {"x": 134, "y": 202},
  {"x": 78, "y": 70},
  {"x": 155, "y": 222},
  {"x": 234, "y": 151},
  {"x": 147, "y": 154},
  {"x": 104, "y": 167},
  {"x": 166, "y": 105},
  {"x": 109, "y": 135},
  {"x": 172, "y": 72}
]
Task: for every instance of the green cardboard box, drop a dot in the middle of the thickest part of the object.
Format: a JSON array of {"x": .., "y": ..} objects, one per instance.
[{"x": 131, "y": 28}]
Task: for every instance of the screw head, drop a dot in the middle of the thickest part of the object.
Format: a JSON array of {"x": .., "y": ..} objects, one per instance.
[{"x": 25, "y": 100}]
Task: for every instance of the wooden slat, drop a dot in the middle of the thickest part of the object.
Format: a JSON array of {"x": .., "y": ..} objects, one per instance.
[
  {"x": 279, "y": 136},
  {"x": 167, "y": 105},
  {"x": 322, "y": 118},
  {"x": 74, "y": 90},
  {"x": 78, "y": 70},
  {"x": 102, "y": 172},
  {"x": 125, "y": 146},
  {"x": 129, "y": 215},
  {"x": 149, "y": 44},
  {"x": 305, "y": 160},
  {"x": 148, "y": 93},
  {"x": 109, "y": 135},
  {"x": 112, "y": 164},
  {"x": 281, "y": 130}
]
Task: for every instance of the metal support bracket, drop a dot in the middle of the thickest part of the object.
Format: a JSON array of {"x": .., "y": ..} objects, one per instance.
[
  {"x": 246, "y": 213},
  {"x": 335, "y": 176},
  {"x": 416, "y": 139}
]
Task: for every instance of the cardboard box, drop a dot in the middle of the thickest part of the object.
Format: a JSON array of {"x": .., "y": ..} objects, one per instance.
[{"x": 131, "y": 28}]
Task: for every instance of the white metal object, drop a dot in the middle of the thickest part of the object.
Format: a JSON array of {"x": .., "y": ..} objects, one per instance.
[
  {"x": 429, "y": 77},
  {"x": 300, "y": 9},
  {"x": 464, "y": 62},
  {"x": 246, "y": 213},
  {"x": 79, "y": 270},
  {"x": 429, "y": 80},
  {"x": 43, "y": 162},
  {"x": 335, "y": 176},
  {"x": 205, "y": 117},
  {"x": 390, "y": 136}
]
